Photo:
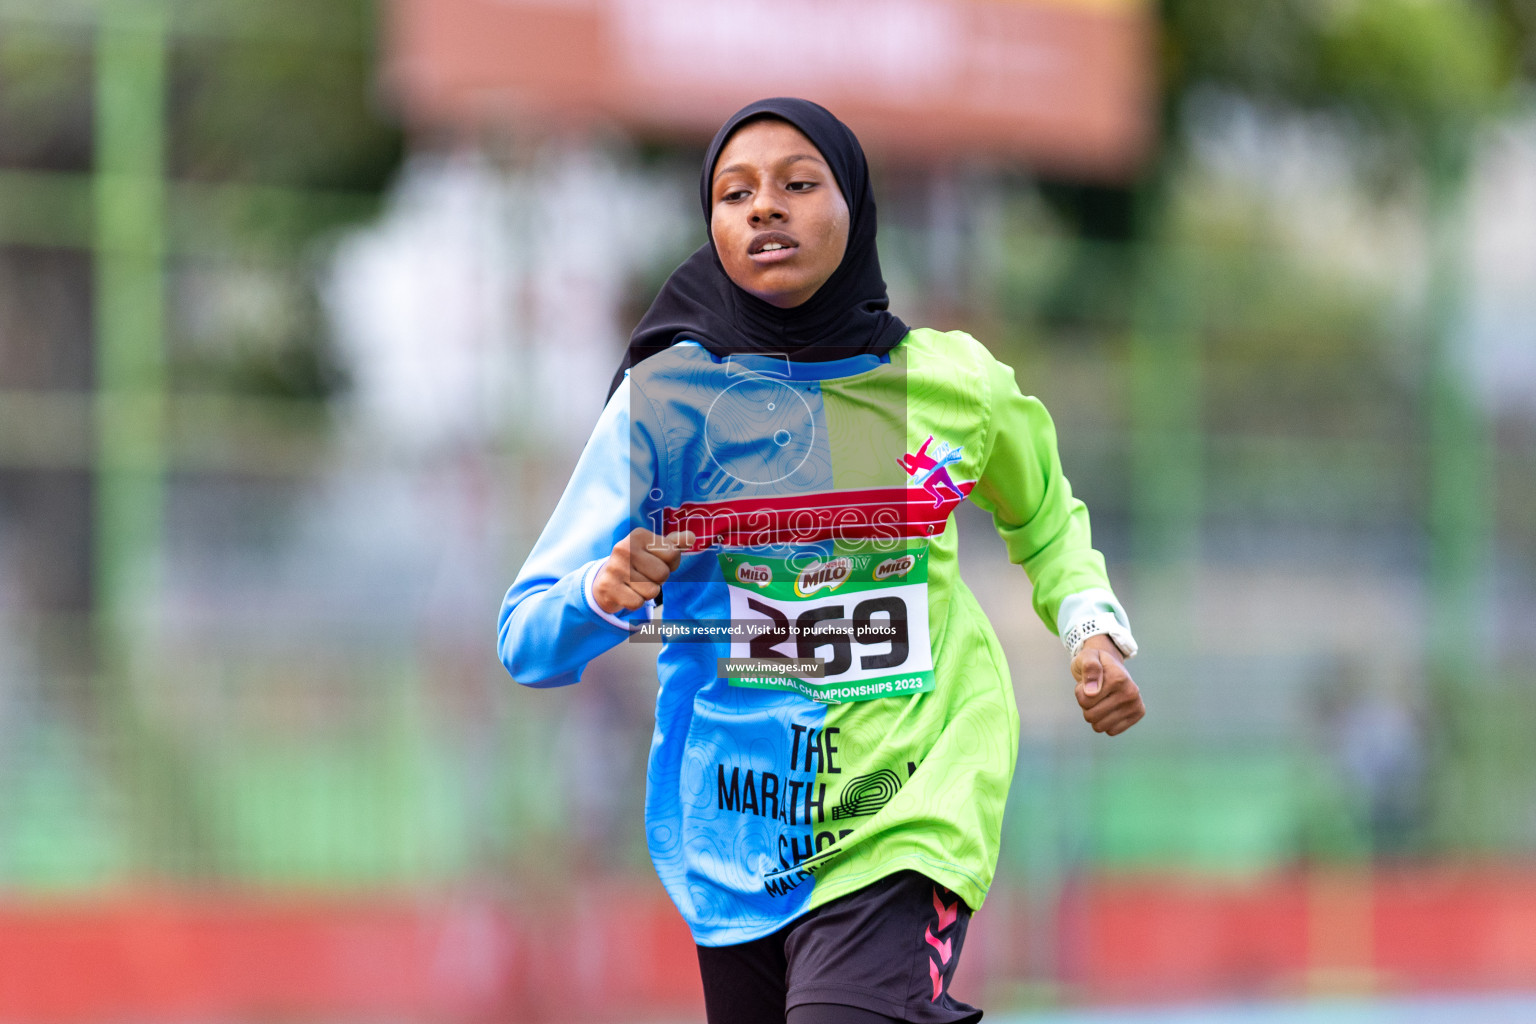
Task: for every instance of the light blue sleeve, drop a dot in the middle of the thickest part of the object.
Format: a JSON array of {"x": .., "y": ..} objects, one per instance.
[{"x": 550, "y": 626}]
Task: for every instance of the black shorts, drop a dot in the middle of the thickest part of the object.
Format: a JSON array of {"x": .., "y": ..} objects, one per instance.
[{"x": 890, "y": 948}]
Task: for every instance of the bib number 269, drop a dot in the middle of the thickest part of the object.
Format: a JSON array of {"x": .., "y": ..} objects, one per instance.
[
  {"x": 865, "y": 618},
  {"x": 878, "y": 624}
]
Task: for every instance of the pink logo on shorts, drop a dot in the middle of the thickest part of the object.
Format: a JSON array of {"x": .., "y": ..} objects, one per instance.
[{"x": 944, "y": 949}]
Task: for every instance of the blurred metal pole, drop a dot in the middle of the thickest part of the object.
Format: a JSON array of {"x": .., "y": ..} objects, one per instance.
[
  {"x": 129, "y": 200},
  {"x": 1468, "y": 801},
  {"x": 1460, "y": 514},
  {"x": 129, "y": 195}
]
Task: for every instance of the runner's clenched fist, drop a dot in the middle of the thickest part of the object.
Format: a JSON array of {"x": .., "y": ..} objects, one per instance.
[
  {"x": 636, "y": 569},
  {"x": 1109, "y": 697}
]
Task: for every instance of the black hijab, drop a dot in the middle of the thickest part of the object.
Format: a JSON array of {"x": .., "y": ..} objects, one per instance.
[{"x": 847, "y": 316}]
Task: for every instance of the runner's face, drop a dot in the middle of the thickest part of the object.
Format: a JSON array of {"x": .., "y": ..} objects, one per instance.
[{"x": 779, "y": 221}]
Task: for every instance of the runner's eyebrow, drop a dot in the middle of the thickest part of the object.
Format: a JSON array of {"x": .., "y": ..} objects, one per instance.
[{"x": 785, "y": 162}]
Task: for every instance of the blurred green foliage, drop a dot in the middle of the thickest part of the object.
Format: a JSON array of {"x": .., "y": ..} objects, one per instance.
[
  {"x": 1416, "y": 64},
  {"x": 1407, "y": 74},
  {"x": 45, "y": 98},
  {"x": 277, "y": 139},
  {"x": 265, "y": 112},
  {"x": 262, "y": 92}
]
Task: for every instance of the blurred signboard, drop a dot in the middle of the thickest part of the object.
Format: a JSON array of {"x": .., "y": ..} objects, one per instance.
[{"x": 1064, "y": 86}]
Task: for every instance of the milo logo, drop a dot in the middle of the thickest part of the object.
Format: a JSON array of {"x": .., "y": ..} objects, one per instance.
[
  {"x": 761, "y": 575},
  {"x": 823, "y": 576},
  {"x": 894, "y": 567}
]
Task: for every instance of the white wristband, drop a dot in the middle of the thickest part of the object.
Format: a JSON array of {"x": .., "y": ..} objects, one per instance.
[{"x": 1105, "y": 624}]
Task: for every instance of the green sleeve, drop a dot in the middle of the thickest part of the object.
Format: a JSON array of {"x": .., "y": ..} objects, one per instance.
[{"x": 1021, "y": 484}]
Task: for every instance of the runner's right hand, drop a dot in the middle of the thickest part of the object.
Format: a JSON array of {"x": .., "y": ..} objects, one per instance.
[{"x": 638, "y": 566}]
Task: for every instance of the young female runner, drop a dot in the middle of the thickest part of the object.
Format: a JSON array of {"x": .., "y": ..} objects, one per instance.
[{"x": 785, "y": 455}]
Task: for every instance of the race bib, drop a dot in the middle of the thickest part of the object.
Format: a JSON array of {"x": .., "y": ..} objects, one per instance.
[{"x": 864, "y": 616}]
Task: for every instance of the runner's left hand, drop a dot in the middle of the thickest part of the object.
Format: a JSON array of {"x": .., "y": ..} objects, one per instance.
[{"x": 1109, "y": 697}]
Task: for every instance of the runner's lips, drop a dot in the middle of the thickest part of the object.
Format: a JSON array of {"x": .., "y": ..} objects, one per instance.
[{"x": 767, "y": 238}]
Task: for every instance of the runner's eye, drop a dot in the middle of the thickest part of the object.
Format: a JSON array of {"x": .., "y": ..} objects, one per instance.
[
  {"x": 800, "y": 186},
  {"x": 734, "y": 195}
]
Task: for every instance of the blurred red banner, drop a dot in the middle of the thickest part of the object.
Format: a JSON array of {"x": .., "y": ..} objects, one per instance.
[
  {"x": 615, "y": 951},
  {"x": 1064, "y": 86},
  {"x": 611, "y": 951}
]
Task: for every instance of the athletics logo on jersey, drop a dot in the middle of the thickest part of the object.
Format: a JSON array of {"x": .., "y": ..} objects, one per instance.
[
  {"x": 823, "y": 575},
  {"x": 931, "y": 471},
  {"x": 760, "y": 575},
  {"x": 892, "y": 568},
  {"x": 867, "y": 794}
]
